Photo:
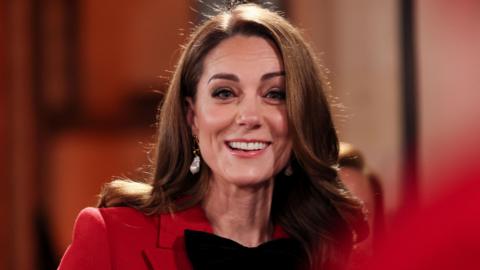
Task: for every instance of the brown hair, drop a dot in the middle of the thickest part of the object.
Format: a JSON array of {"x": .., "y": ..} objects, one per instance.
[{"x": 312, "y": 204}]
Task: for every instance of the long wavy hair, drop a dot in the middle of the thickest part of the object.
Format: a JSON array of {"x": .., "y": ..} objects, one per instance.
[{"x": 311, "y": 205}]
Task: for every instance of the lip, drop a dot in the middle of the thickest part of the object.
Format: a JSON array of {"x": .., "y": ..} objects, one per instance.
[{"x": 247, "y": 154}]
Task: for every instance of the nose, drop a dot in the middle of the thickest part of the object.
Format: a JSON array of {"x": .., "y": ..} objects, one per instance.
[{"x": 249, "y": 113}]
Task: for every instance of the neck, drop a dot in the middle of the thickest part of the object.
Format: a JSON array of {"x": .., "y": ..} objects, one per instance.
[{"x": 240, "y": 213}]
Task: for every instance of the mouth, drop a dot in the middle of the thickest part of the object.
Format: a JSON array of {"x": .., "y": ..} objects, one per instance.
[{"x": 247, "y": 148}]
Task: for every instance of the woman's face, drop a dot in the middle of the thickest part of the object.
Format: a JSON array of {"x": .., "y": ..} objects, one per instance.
[{"x": 239, "y": 113}]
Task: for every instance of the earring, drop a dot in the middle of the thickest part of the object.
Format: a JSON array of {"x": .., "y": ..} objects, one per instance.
[
  {"x": 195, "y": 166},
  {"x": 289, "y": 170}
]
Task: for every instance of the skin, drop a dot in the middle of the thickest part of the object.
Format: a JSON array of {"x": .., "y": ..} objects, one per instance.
[{"x": 240, "y": 98}]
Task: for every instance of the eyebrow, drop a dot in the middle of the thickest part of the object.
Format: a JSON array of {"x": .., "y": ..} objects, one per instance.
[
  {"x": 233, "y": 77},
  {"x": 270, "y": 75}
]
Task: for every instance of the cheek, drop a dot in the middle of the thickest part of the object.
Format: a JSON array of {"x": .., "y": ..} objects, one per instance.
[
  {"x": 279, "y": 124},
  {"x": 212, "y": 119},
  {"x": 279, "y": 128}
]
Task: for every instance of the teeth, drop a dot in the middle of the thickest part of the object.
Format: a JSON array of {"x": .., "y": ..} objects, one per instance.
[{"x": 247, "y": 146}]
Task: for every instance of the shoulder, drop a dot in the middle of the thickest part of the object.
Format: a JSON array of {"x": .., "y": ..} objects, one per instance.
[
  {"x": 89, "y": 247},
  {"x": 103, "y": 233},
  {"x": 102, "y": 237},
  {"x": 89, "y": 217},
  {"x": 105, "y": 218},
  {"x": 89, "y": 222},
  {"x": 119, "y": 223},
  {"x": 122, "y": 215}
]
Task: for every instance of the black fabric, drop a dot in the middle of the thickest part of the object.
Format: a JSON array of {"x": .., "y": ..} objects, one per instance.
[{"x": 211, "y": 252}]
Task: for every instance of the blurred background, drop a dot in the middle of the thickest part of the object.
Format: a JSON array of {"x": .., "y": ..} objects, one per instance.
[{"x": 80, "y": 82}]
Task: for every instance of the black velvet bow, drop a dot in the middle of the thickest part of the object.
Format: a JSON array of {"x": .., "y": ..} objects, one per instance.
[{"x": 211, "y": 252}]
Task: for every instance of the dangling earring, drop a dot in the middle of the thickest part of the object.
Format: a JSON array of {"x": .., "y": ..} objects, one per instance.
[
  {"x": 195, "y": 166},
  {"x": 289, "y": 170}
]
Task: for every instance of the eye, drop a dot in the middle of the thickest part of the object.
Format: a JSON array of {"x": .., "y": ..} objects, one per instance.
[
  {"x": 276, "y": 94},
  {"x": 223, "y": 93}
]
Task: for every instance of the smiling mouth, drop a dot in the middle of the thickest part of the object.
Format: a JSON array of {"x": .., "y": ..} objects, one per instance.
[{"x": 248, "y": 146}]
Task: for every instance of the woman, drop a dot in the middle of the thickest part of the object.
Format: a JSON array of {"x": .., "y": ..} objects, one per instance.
[
  {"x": 244, "y": 158},
  {"x": 366, "y": 186}
]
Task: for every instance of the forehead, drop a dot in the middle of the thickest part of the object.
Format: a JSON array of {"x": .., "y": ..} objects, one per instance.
[{"x": 240, "y": 54}]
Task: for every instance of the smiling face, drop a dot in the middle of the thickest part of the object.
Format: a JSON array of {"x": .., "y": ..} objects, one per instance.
[{"x": 239, "y": 112}]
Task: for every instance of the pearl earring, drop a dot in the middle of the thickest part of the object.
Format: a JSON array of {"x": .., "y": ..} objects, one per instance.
[
  {"x": 195, "y": 166},
  {"x": 289, "y": 170}
]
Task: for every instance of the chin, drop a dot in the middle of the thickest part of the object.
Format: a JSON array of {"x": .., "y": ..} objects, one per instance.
[{"x": 248, "y": 178}]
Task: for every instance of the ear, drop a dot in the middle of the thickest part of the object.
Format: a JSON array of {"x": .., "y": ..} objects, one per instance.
[{"x": 191, "y": 116}]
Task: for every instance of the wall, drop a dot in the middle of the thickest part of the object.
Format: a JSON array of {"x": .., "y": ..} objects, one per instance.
[{"x": 358, "y": 43}]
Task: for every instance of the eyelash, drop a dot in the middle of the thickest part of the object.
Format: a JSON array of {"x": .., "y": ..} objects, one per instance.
[
  {"x": 217, "y": 93},
  {"x": 280, "y": 94},
  {"x": 221, "y": 93}
]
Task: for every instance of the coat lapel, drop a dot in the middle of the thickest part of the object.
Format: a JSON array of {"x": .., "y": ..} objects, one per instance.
[
  {"x": 160, "y": 259},
  {"x": 170, "y": 252}
]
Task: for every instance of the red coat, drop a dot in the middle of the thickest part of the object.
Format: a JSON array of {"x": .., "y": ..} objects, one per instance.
[{"x": 124, "y": 238}]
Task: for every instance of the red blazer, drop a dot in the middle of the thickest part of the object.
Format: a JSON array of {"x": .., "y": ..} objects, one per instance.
[{"x": 123, "y": 238}]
